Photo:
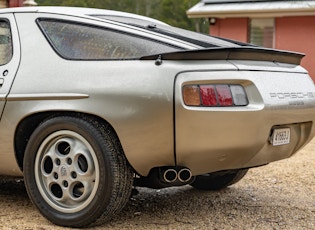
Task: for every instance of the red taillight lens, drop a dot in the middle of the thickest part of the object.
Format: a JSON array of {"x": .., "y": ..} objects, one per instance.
[
  {"x": 224, "y": 95},
  {"x": 208, "y": 95},
  {"x": 214, "y": 95}
]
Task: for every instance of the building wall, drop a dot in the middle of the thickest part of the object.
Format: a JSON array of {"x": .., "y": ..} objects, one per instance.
[
  {"x": 3, "y": 3},
  {"x": 15, "y": 3},
  {"x": 11, "y": 3},
  {"x": 297, "y": 34},
  {"x": 233, "y": 28}
]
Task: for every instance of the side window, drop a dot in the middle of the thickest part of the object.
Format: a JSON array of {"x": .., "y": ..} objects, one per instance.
[
  {"x": 6, "y": 49},
  {"x": 84, "y": 42}
]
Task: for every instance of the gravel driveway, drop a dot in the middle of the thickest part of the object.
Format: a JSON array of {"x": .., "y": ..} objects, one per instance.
[{"x": 278, "y": 196}]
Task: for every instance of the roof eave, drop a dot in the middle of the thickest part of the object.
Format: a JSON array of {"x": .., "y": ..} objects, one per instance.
[
  {"x": 248, "y": 14},
  {"x": 253, "y": 10}
]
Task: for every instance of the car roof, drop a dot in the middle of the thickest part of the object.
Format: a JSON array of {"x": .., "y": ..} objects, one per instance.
[{"x": 77, "y": 11}]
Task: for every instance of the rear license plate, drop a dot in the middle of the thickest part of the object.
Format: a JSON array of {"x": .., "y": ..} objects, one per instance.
[{"x": 280, "y": 136}]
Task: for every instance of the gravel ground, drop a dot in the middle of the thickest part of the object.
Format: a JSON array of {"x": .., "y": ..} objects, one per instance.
[{"x": 277, "y": 196}]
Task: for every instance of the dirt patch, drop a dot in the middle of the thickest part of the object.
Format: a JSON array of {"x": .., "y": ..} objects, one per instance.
[{"x": 277, "y": 196}]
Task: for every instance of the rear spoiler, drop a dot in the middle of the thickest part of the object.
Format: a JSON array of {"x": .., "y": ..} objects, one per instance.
[{"x": 232, "y": 53}]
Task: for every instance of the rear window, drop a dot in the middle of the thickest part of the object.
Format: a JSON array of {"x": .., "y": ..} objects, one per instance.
[
  {"x": 85, "y": 42},
  {"x": 203, "y": 40}
]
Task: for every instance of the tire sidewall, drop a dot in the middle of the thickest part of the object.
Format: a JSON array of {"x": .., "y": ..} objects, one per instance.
[
  {"x": 103, "y": 194},
  {"x": 218, "y": 180}
]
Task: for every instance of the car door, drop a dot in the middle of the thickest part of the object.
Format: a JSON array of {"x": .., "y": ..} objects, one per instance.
[{"x": 9, "y": 55}]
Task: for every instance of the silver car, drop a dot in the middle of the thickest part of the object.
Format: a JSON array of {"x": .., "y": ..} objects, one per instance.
[{"x": 95, "y": 102}]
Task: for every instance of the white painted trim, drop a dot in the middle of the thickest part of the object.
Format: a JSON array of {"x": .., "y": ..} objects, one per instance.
[{"x": 253, "y": 9}]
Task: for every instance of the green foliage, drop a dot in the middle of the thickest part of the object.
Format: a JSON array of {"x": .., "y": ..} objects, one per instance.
[{"x": 172, "y": 12}]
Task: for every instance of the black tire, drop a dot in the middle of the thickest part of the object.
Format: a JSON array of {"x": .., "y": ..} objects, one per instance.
[
  {"x": 218, "y": 180},
  {"x": 75, "y": 171}
]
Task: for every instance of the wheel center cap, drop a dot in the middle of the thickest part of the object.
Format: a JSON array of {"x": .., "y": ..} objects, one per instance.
[{"x": 64, "y": 171}]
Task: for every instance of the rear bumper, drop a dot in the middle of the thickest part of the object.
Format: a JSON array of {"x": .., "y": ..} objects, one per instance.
[
  {"x": 245, "y": 148},
  {"x": 214, "y": 139},
  {"x": 301, "y": 134}
]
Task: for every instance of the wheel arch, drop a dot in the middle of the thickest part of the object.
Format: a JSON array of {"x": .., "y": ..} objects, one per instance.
[{"x": 28, "y": 125}]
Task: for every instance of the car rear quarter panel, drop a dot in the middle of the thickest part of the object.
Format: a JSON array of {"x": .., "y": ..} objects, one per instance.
[{"x": 131, "y": 96}]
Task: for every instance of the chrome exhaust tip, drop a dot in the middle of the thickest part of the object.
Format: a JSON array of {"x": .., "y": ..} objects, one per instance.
[
  {"x": 184, "y": 175},
  {"x": 170, "y": 175}
]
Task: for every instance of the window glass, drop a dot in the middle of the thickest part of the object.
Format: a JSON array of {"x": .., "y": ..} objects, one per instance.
[
  {"x": 6, "y": 50},
  {"x": 84, "y": 42},
  {"x": 262, "y": 32},
  {"x": 203, "y": 40}
]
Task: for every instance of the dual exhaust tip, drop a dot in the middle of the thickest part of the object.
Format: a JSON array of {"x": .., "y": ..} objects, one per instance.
[
  {"x": 173, "y": 175},
  {"x": 166, "y": 176}
]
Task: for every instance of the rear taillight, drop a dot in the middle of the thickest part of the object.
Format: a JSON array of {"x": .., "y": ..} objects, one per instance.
[
  {"x": 191, "y": 95},
  {"x": 214, "y": 95}
]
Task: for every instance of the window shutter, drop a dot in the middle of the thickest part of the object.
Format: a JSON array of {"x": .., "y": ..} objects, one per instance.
[{"x": 262, "y": 32}]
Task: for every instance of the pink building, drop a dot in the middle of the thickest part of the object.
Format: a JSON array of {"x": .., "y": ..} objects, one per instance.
[
  {"x": 16, "y": 3},
  {"x": 286, "y": 25}
]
